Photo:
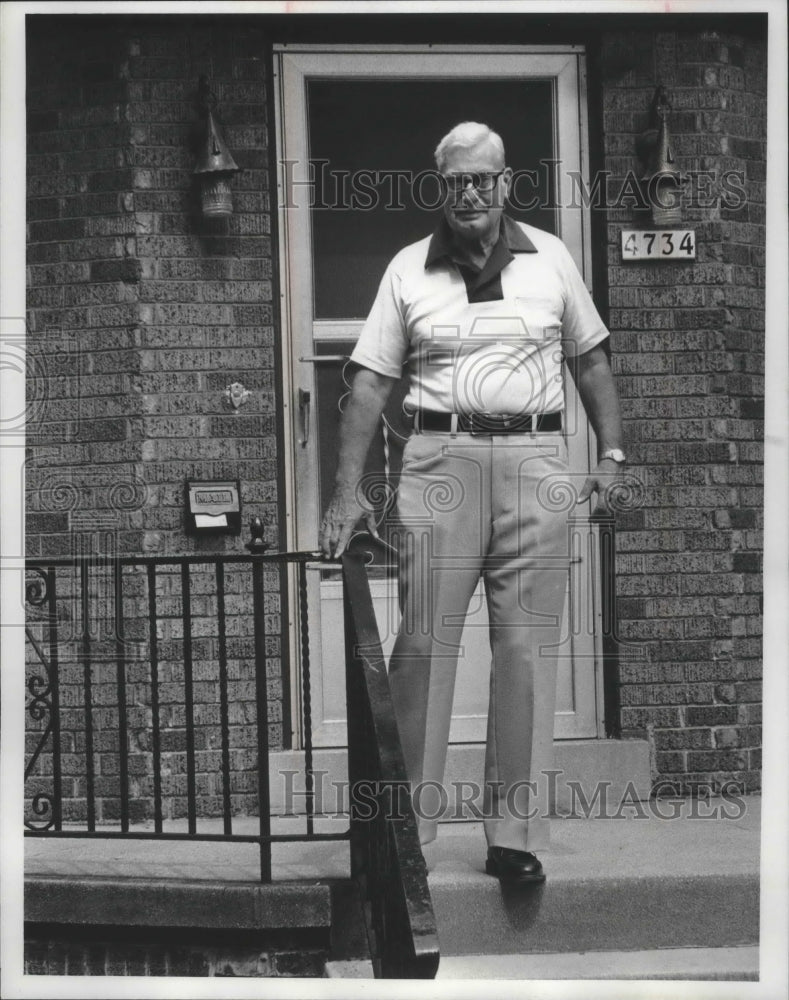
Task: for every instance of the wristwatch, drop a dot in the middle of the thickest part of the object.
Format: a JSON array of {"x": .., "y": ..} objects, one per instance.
[{"x": 616, "y": 454}]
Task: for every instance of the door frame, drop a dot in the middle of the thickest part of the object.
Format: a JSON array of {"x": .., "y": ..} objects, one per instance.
[{"x": 292, "y": 64}]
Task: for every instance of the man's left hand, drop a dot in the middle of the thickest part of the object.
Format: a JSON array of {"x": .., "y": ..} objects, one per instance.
[{"x": 603, "y": 480}]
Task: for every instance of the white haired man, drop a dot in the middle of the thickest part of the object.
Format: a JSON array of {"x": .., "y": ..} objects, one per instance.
[{"x": 481, "y": 313}]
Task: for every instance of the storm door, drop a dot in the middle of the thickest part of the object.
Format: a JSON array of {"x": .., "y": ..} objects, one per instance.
[{"x": 356, "y": 130}]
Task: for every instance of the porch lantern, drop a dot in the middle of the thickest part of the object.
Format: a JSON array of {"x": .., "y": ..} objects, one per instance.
[
  {"x": 663, "y": 181},
  {"x": 215, "y": 164}
]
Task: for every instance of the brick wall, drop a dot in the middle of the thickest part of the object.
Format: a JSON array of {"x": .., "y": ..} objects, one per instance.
[
  {"x": 83, "y": 309},
  {"x": 688, "y": 350},
  {"x": 140, "y": 313},
  {"x": 155, "y": 310},
  {"x": 205, "y": 287},
  {"x": 58, "y": 951}
]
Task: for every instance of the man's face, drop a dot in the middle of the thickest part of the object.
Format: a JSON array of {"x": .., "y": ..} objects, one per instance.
[{"x": 472, "y": 213}]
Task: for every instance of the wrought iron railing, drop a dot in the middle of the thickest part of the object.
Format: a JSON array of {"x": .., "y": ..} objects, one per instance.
[
  {"x": 137, "y": 670},
  {"x": 386, "y": 857},
  {"x": 149, "y": 695}
]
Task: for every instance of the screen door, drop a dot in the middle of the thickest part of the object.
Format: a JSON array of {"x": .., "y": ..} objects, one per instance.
[{"x": 356, "y": 134}]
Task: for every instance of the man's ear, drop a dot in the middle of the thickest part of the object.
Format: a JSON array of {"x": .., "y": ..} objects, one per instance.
[{"x": 507, "y": 178}]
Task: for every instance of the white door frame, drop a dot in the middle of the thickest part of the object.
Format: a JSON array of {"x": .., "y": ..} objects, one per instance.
[{"x": 293, "y": 66}]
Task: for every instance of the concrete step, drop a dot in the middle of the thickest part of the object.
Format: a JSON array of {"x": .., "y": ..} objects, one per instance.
[
  {"x": 666, "y": 963},
  {"x": 353, "y": 968},
  {"x": 623, "y": 884},
  {"x": 584, "y": 768},
  {"x": 168, "y": 903},
  {"x": 632, "y": 877},
  {"x": 669, "y": 963}
]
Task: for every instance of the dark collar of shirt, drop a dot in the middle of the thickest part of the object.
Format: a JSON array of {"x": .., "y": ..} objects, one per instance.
[{"x": 482, "y": 284}]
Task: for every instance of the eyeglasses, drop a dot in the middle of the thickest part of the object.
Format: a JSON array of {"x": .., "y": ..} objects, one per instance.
[{"x": 455, "y": 183}]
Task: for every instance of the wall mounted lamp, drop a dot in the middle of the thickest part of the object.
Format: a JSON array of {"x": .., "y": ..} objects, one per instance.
[
  {"x": 662, "y": 178},
  {"x": 215, "y": 164}
]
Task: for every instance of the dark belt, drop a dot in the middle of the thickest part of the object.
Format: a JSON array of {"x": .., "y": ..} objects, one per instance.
[{"x": 487, "y": 423}]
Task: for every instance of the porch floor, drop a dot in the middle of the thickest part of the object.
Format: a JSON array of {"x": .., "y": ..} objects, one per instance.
[
  {"x": 638, "y": 843},
  {"x": 637, "y": 896}
]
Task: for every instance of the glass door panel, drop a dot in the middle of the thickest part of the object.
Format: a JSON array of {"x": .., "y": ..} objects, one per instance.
[{"x": 371, "y": 153}]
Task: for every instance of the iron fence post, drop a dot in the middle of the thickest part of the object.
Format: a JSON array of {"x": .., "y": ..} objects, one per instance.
[
  {"x": 257, "y": 547},
  {"x": 57, "y": 790}
]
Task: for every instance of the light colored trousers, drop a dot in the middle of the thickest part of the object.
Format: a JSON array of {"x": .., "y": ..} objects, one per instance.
[{"x": 470, "y": 505}]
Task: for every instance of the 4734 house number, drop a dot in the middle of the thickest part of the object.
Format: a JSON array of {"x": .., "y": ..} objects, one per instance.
[{"x": 659, "y": 244}]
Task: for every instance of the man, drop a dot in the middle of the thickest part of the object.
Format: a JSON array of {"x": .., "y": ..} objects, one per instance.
[{"x": 481, "y": 313}]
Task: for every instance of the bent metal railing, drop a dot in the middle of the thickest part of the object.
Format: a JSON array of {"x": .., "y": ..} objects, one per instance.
[
  {"x": 386, "y": 858},
  {"x": 149, "y": 713}
]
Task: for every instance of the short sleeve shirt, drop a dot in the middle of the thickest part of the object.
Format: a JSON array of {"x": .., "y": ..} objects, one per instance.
[{"x": 486, "y": 342}]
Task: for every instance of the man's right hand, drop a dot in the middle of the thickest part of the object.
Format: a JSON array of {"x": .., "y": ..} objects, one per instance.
[
  {"x": 360, "y": 418},
  {"x": 340, "y": 519}
]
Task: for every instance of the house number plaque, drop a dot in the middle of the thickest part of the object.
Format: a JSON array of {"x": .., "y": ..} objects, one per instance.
[{"x": 658, "y": 244}]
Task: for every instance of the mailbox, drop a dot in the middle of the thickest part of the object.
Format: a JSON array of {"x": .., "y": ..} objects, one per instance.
[{"x": 213, "y": 508}]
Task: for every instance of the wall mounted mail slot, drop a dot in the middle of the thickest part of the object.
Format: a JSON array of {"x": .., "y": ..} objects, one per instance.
[{"x": 213, "y": 507}]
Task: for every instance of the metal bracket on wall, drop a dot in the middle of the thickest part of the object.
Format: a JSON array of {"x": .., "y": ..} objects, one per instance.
[{"x": 236, "y": 394}]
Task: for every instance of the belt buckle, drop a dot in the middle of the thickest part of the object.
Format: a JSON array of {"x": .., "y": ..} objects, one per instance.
[
  {"x": 476, "y": 425},
  {"x": 488, "y": 423}
]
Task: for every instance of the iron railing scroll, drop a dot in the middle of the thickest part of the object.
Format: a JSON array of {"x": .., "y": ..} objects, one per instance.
[{"x": 43, "y": 706}]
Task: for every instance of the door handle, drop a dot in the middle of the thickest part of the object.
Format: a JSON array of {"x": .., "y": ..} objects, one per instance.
[
  {"x": 304, "y": 412},
  {"x": 323, "y": 359}
]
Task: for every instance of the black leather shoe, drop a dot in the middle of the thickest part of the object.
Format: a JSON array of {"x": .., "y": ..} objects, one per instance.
[{"x": 513, "y": 867}]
